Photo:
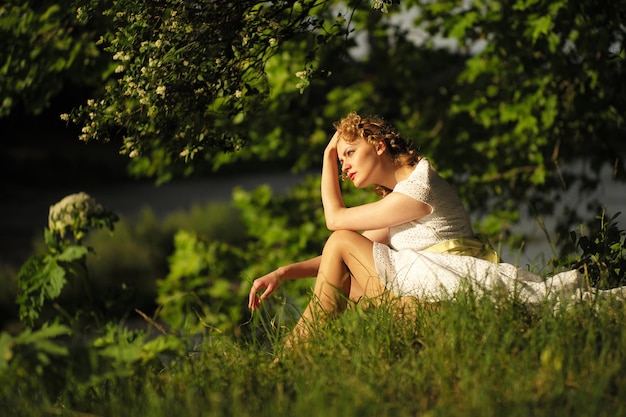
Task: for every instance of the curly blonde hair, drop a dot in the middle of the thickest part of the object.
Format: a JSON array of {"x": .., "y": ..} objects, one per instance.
[{"x": 374, "y": 130}]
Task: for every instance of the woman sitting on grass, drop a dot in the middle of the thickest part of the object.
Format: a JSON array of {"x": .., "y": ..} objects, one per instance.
[{"x": 416, "y": 243}]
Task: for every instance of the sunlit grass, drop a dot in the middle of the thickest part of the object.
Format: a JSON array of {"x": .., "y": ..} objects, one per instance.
[{"x": 468, "y": 356}]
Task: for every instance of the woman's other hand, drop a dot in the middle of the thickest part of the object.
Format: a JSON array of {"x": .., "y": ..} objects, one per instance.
[{"x": 262, "y": 288}]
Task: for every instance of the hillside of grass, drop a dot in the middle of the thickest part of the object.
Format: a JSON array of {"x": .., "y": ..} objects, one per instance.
[{"x": 469, "y": 356}]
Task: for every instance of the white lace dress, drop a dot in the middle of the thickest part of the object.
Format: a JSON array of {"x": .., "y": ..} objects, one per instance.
[{"x": 407, "y": 269}]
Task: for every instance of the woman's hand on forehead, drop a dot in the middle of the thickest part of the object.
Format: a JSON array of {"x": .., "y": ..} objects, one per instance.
[{"x": 332, "y": 144}]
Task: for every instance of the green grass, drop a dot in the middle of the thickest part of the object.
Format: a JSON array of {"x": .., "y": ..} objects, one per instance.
[{"x": 466, "y": 357}]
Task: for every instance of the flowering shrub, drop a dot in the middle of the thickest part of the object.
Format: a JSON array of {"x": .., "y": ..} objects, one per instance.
[
  {"x": 43, "y": 276},
  {"x": 186, "y": 74}
]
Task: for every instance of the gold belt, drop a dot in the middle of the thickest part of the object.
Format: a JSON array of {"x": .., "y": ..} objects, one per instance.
[{"x": 478, "y": 247}]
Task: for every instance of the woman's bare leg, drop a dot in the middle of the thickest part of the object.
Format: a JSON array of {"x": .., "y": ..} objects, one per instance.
[
  {"x": 346, "y": 256},
  {"x": 353, "y": 289}
]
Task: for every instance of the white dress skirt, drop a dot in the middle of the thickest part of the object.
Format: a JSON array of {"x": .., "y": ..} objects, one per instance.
[{"x": 432, "y": 276}]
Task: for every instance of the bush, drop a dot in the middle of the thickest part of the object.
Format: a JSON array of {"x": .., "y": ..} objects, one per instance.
[{"x": 601, "y": 252}]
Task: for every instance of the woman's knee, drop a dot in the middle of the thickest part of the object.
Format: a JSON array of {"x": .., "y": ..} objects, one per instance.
[
  {"x": 342, "y": 236},
  {"x": 339, "y": 239}
]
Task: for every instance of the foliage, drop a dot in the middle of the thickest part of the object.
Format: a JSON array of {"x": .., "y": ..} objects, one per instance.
[
  {"x": 542, "y": 87},
  {"x": 88, "y": 347},
  {"x": 129, "y": 261},
  {"x": 37, "y": 346},
  {"x": 121, "y": 350},
  {"x": 43, "y": 276},
  {"x": 283, "y": 229},
  {"x": 503, "y": 114},
  {"x": 209, "y": 276},
  {"x": 198, "y": 293},
  {"x": 505, "y": 98},
  {"x": 46, "y": 45},
  {"x": 190, "y": 73},
  {"x": 602, "y": 252}
]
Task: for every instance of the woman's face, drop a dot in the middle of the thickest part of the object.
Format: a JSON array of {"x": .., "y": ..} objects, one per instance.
[{"x": 358, "y": 160}]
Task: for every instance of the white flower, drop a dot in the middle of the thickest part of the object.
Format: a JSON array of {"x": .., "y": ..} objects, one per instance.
[
  {"x": 73, "y": 212},
  {"x": 238, "y": 94},
  {"x": 161, "y": 90},
  {"x": 301, "y": 74},
  {"x": 65, "y": 117},
  {"x": 119, "y": 68}
]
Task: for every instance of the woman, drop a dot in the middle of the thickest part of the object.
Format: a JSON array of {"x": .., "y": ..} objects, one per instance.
[{"x": 415, "y": 242}]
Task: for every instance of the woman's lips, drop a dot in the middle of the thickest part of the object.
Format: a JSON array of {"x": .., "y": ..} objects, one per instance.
[{"x": 352, "y": 176}]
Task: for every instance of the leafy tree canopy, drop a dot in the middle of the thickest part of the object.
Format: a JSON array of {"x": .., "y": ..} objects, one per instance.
[
  {"x": 44, "y": 45},
  {"x": 189, "y": 75},
  {"x": 544, "y": 85},
  {"x": 503, "y": 95}
]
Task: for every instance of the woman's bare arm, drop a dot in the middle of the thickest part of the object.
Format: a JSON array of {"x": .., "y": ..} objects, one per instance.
[
  {"x": 264, "y": 286},
  {"x": 298, "y": 270}
]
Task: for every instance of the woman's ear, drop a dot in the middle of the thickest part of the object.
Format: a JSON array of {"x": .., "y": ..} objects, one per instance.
[{"x": 381, "y": 147}]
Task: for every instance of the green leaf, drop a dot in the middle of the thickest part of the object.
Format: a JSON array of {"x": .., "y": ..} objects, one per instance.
[
  {"x": 462, "y": 23},
  {"x": 73, "y": 253},
  {"x": 52, "y": 278},
  {"x": 540, "y": 25}
]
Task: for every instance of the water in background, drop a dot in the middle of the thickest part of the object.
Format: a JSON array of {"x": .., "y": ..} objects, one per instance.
[{"x": 24, "y": 215}]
